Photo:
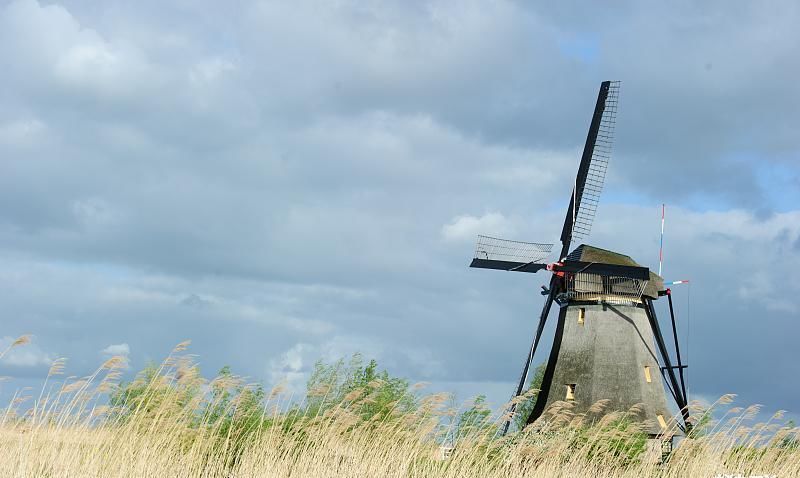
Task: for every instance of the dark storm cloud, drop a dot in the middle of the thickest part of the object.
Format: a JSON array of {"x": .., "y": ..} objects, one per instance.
[{"x": 281, "y": 182}]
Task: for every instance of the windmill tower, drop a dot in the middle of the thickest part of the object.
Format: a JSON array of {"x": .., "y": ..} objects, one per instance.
[{"x": 608, "y": 343}]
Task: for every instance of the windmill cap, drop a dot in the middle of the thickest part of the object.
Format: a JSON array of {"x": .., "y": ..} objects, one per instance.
[{"x": 587, "y": 253}]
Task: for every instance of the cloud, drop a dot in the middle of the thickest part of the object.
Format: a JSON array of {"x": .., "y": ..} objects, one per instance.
[
  {"x": 283, "y": 182},
  {"x": 293, "y": 368},
  {"x": 122, "y": 349},
  {"x": 54, "y": 49},
  {"x": 465, "y": 228},
  {"x": 295, "y": 365},
  {"x": 26, "y": 356}
]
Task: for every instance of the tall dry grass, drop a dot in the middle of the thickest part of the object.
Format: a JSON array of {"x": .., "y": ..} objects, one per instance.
[{"x": 178, "y": 424}]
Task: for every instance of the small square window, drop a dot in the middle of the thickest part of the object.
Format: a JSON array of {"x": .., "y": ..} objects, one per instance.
[
  {"x": 570, "y": 391},
  {"x": 581, "y": 315}
]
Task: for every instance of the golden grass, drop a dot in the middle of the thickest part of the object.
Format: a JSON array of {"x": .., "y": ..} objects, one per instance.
[{"x": 70, "y": 430}]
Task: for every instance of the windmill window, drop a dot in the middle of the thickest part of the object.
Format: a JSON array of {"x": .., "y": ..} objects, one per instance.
[
  {"x": 647, "y": 375},
  {"x": 581, "y": 315},
  {"x": 570, "y": 391}
]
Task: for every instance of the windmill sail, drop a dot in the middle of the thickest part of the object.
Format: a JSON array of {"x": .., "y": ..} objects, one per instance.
[
  {"x": 503, "y": 254},
  {"x": 592, "y": 170},
  {"x": 583, "y": 203}
]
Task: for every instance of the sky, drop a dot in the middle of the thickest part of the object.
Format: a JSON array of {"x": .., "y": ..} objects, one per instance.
[{"x": 283, "y": 182}]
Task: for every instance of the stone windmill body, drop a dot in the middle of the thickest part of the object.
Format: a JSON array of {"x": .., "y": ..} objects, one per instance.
[{"x": 608, "y": 343}]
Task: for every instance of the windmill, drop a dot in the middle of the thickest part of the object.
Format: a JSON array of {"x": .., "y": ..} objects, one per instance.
[{"x": 603, "y": 348}]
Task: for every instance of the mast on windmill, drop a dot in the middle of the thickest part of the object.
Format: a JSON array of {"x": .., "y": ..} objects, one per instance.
[{"x": 608, "y": 344}]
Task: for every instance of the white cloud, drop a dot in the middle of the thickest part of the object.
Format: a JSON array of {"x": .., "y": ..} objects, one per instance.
[
  {"x": 82, "y": 60},
  {"x": 28, "y": 355},
  {"x": 50, "y": 44},
  {"x": 122, "y": 349},
  {"x": 293, "y": 367},
  {"x": 466, "y": 227}
]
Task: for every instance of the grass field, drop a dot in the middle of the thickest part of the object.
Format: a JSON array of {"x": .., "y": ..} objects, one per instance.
[{"x": 172, "y": 422}]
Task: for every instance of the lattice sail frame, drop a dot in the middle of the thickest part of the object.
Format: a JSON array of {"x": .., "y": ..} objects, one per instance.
[
  {"x": 610, "y": 289},
  {"x": 492, "y": 248},
  {"x": 590, "y": 193}
]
